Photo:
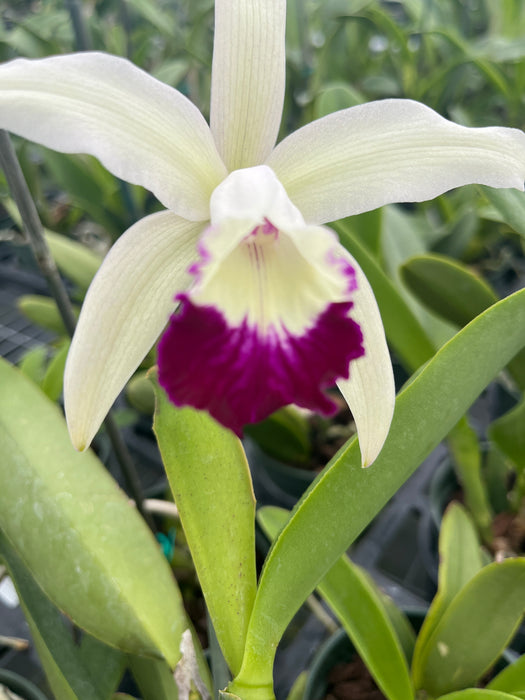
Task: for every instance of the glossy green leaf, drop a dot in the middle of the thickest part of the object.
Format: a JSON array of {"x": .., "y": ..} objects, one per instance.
[
  {"x": 43, "y": 311},
  {"x": 344, "y": 498},
  {"x": 403, "y": 330},
  {"x": 59, "y": 505},
  {"x": 509, "y": 434},
  {"x": 478, "y": 694},
  {"x": 211, "y": 485},
  {"x": 68, "y": 675},
  {"x": 511, "y": 679},
  {"x": 460, "y": 560},
  {"x": 510, "y": 204},
  {"x": 447, "y": 287},
  {"x": 459, "y": 650},
  {"x": 358, "y": 604}
]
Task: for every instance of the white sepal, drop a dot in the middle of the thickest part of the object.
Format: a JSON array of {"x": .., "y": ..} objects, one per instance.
[{"x": 125, "y": 310}]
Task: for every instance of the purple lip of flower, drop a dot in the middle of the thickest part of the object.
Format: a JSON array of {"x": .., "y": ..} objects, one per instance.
[{"x": 240, "y": 375}]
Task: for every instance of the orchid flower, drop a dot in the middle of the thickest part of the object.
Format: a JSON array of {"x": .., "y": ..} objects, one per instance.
[{"x": 264, "y": 306}]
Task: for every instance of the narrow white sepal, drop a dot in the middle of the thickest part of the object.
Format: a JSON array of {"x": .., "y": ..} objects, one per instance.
[
  {"x": 248, "y": 79},
  {"x": 139, "y": 128},
  {"x": 370, "y": 391},
  {"x": 125, "y": 310},
  {"x": 361, "y": 158}
]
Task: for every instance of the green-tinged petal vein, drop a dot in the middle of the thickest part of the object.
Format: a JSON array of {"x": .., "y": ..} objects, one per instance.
[
  {"x": 247, "y": 79},
  {"x": 124, "y": 312},
  {"x": 140, "y": 129},
  {"x": 388, "y": 151}
]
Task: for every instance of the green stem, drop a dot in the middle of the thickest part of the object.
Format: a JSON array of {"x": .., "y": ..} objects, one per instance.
[{"x": 35, "y": 238}]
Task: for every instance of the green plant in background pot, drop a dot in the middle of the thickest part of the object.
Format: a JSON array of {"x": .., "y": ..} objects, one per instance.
[{"x": 473, "y": 617}]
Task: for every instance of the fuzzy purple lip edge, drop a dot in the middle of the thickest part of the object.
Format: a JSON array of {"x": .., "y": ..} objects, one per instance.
[{"x": 240, "y": 375}]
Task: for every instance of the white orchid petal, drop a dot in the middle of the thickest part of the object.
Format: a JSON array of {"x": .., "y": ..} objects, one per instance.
[
  {"x": 361, "y": 158},
  {"x": 126, "y": 308},
  {"x": 370, "y": 391},
  {"x": 248, "y": 79},
  {"x": 140, "y": 129}
]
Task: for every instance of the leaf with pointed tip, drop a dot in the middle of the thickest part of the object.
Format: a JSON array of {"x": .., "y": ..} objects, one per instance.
[{"x": 344, "y": 498}]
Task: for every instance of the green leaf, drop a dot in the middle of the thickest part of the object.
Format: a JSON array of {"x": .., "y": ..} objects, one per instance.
[
  {"x": 284, "y": 435},
  {"x": 510, "y": 204},
  {"x": 478, "y": 694},
  {"x": 154, "y": 678},
  {"x": 447, "y": 287},
  {"x": 466, "y": 455},
  {"x": 43, "y": 311},
  {"x": 459, "y": 650},
  {"x": 511, "y": 679},
  {"x": 508, "y": 434},
  {"x": 68, "y": 675},
  {"x": 460, "y": 559},
  {"x": 53, "y": 381},
  {"x": 451, "y": 290},
  {"x": 402, "y": 328},
  {"x": 358, "y": 604},
  {"x": 33, "y": 363},
  {"x": 211, "y": 485},
  {"x": 59, "y": 505},
  {"x": 344, "y": 498},
  {"x": 77, "y": 262}
]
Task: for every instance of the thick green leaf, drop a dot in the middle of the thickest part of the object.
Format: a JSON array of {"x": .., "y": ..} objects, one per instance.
[
  {"x": 154, "y": 678},
  {"x": 460, "y": 560},
  {"x": 510, "y": 204},
  {"x": 511, "y": 679},
  {"x": 447, "y": 287},
  {"x": 466, "y": 454},
  {"x": 61, "y": 506},
  {"x": 451, "y": 290},
  {"x": 509, "y": 434},
  {"x": 344, "y": 498},
  {"x": 402, "y": 328},
  {"x": 77, "y": 262},
  {"x": 211, "y": 485},
  {"x": 284, "y": 435},
  {"x": 358, "y": 604},
  {"x": 478, "y": 694},
  {"x": 43, "y": 311},
  {"x": 53, "y": 381},
  {"x": 68, "y": 676},
  {"x": 459, "y": 650},
  {"x": 33, "y": 363}
]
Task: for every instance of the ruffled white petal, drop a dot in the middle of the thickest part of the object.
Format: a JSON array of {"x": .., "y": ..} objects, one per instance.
[
  {"x": 248, "y": 79},
  {"x": 126, "y": 308},
  {"x": 370, "y": 391},
  {"x": 140, "y": 129},
  {"x": 361, "y": 158}
]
